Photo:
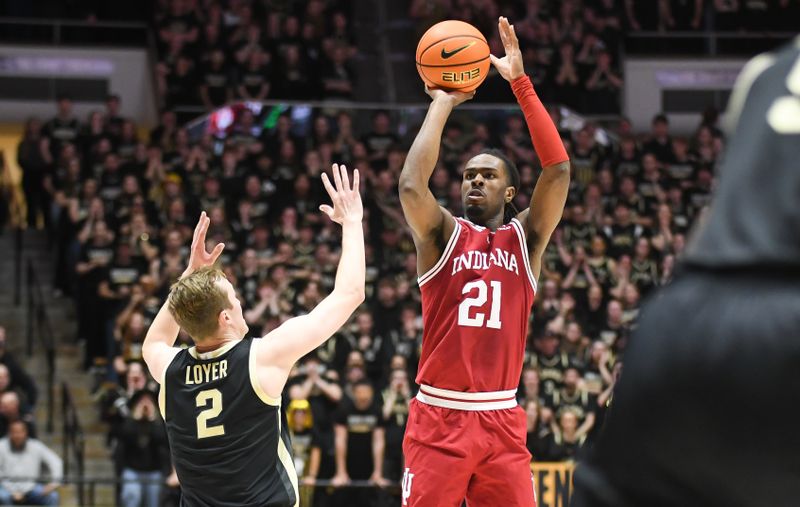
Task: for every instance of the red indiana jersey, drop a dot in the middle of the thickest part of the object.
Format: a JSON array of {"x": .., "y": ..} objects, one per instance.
[{"x": 476, "y": 302}]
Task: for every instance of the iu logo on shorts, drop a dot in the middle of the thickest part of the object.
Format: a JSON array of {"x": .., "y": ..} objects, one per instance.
[{"x": 407, "y": 478}]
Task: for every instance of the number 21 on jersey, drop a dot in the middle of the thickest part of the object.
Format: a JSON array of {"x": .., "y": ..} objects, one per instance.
[{"x": 477, "y": 291}]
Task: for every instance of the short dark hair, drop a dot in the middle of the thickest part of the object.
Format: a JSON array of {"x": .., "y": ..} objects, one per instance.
[
  {"x": 363, "y": 382},
  {"x": 512, "y": 173},
  {"x": 660, "y": 118}
]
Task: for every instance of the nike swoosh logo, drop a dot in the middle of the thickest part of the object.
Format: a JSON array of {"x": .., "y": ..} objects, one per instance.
[{"x": 447, "y": 54}]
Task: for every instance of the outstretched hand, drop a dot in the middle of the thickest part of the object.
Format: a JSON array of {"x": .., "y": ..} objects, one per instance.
[
  {"x": 510, "y": 66},
  {"x": 199, "y": 257},
  {"x": 346, "y": 200}
]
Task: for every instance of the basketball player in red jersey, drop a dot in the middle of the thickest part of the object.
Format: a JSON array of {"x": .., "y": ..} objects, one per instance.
[{"x": 465, "y": 437}]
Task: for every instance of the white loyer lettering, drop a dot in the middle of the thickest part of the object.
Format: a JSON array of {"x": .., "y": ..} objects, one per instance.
[{"x": 207, "y": 372}]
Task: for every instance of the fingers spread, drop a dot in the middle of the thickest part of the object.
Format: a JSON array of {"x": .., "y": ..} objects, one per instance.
[
  {"x": 345, "y": 178},
  {"x": 327, "y": 184},
  {"x": 337, "y": 178},
  {"x": 216, "y": 252},
  {"x": 198, "y": 226},
  {"x": 514, "y": 40}
]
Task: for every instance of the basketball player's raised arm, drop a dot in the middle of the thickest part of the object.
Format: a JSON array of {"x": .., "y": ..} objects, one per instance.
[
  {"x": 298, "y": 336},
  {"x": 157, "y": 349},
  {"x": 430, "y": 224},
  {"x": 550, "y": 194}
]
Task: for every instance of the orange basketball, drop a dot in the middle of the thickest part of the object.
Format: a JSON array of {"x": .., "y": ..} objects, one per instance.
[{"x": 453, "y": 55}]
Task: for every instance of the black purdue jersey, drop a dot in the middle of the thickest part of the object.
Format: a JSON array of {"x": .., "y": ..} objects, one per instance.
[
  {"x": 755, "y": 218},
  {"x": 228, "y": 443}
]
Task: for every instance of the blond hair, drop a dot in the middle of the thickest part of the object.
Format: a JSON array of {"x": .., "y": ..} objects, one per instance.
[{"x": 196, "y": 300}]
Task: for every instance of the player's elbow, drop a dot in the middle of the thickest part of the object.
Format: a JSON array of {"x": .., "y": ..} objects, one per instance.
[
  {"x": 409, "y": 186},
  {"x": 351, "y": 297},
  {"x": 560, "y": 169}
]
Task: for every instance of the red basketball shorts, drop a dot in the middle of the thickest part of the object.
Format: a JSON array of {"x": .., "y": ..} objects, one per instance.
[{"x": 477, "y": 454}]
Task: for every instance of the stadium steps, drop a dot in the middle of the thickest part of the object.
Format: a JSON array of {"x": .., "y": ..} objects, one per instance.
[
  {"x": 401, "y": 34},
  {"x": 61, "y": 313},
  {"x": 371, "y": 82}
]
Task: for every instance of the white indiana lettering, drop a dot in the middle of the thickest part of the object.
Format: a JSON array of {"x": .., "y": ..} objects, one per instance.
[{"x": 474, "y": 259}]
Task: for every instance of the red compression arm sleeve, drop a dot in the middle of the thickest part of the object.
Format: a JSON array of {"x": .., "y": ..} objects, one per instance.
[{"x": 546, "y": 140}]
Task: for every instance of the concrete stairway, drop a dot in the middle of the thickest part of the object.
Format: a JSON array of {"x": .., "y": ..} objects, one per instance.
[{"x": 61, "y": 315}]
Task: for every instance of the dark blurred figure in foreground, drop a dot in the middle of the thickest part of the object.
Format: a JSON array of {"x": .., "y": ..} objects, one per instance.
[{"x": 714, "y": 348}]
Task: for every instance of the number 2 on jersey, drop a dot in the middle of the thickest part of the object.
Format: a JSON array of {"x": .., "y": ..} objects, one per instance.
[
  {"x": 202, "y": 399},
  {"x": 464, "y": 318}
]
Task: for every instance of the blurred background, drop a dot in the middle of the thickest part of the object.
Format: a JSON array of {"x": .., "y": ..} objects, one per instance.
[{"x": 121, "y": 121}]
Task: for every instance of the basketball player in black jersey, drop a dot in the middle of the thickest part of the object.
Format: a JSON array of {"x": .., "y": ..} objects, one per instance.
[
  {"x": 221, "y": 398},
  {"x": 706, "y": 413}
]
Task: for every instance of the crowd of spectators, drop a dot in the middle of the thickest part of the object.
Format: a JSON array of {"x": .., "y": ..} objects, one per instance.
[
  {"x": 572, "y": 48},
  {"x": 212, "y": 52},
  {"x": 122, "y": 209}
]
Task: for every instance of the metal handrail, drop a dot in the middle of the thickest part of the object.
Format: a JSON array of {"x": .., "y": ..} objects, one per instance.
[
  {"x": 39, "y": 324},
  {"x": 18, "y": 245},
  {"x": 73, "y": 438}
]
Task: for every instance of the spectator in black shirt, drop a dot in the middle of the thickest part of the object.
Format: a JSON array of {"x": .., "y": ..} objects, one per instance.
[
  {"x": 113, "y": 120},
  {"x": 115, "y": 402},
  {"x": 379, "y": 139},
  {"x": 660, "y": 143},
  {"x": 387, "y": 306},
  {"x": 34, "y": 157},
  {"x": 254, "y": 78},
  {"x": 566, "y": 437},
  {"x": 141, "y": 452},
  {"x": 603, "y": 87},
  {"x": 587, "y": 158},
  {"x": 178, "y": 86},
  {"x": 572, "y": 397},
  {"x": 622, "y": 233},
  {"x": 567, "y": 79},
  {"x": 396, "y": 398},
  {"x": 360, "y": 444},
  {"x": 539, "y": 439},
  {"x": 96, "y": 254},
  {"x": 614, "y": 327},
  {"x": 63, "y": 128},
  {"x": 295, "y": 78},
  {"x": 627, "y": 162},
  {"x": 337, "y": 76},
  {"x": 579, "y": 231},
  {"x": 250, "y": 45},
  {"x": 531, "y": 392},
  {"x": 681, "y": 168},
  {"x": 644, "y": 271},
  {"x": 601, "y": 265},
  {"x": 216, "y": 86},
  {"x": 180, "y": 24}
]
